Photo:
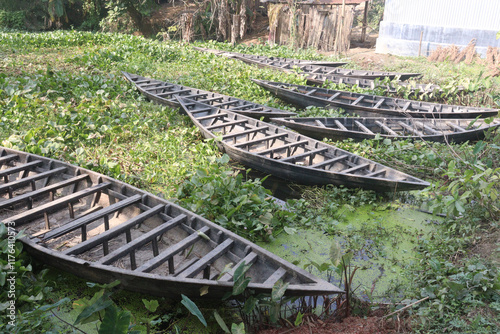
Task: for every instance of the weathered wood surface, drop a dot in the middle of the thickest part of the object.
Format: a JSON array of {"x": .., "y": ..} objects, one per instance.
[
  {"x": 102, "y": 230},
  {"x": 293, "y": 157},
  {"x": 370, "y": 105},
  {"x": 438, "y": 130}
]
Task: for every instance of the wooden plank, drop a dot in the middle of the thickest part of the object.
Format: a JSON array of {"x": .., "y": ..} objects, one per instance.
[
  {"x": 304, "y": 155},
  {"x": 248, "y": 260},
  {"x": 386, "y": 128},
  {"x": 455, "y": 127},
  {"x": 427, "y": 128},
  {"x": 379, "y": 103},
  {"x": 197, "y": 111},
  {"x": 218, "y": 115},
  {"x": 176, "y": 92},
  {"x": 206, "y": 260},
  {"x": 156, "y": 87},
  {"x": 143, "y": 239},
  {"x": 7, "y": 158},
  {"x": 311, "y": 92},
  {"x": 27, "y": 180},
  {"x": 359, "y": 99},
  {"x": 20, "y": 168},
  {"x": 275, "y": 277},
  {"x": 245, "y": 132},
  {"x": 334, "y": 96},
  {"x": 377, "y": 173},
  {"x": 166, "y": 254},
  {"x": 211, "y": 127},
  {"x": 340, "y": 125},
  {"x": 114, "y": 231},
  {"x": 407, "y": 104},
  {"x": 42, "y": 191},
  {"x": 283, "y": 147},
  {"x": 56, "y": 204},
  {"x": 215, "y": 98},
  {"x": 225, "y": 103},
  {"x": 409, "y": 128},
  {"x": 85, "y": 220},
  {"x": 363, "y": 127},
  {"x": 257, "y": 141},
  {"x": 330, "y": 161},
  {"x": 355, "y": 168},
  {"x": 319, "y": 123}
]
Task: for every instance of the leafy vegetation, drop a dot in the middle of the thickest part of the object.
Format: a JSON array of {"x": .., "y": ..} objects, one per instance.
[{"x": 62, "y": 95}]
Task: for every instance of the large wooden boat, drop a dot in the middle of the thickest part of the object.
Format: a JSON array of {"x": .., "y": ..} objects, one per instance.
[
  {"x": 438, "y": 130},
  {"x": 314, "y": 69},
  {"x": 288, "y": 62},
  {"x": 165, "y": 92},
  {"x": 103, "y": 230},
  {"x": 286, "y": 154},
  {"x": 369, "y": 105}
]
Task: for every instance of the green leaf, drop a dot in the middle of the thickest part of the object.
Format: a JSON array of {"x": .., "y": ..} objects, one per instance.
[
  {"x": 298, "y": 320},
  {"x": 221, "y": 322},
  {"x": 279, "y": 290},
  {"x": 240, "y": 271},
  {"x": 238, "y": 328},
  {"x": 151, "y": 305},
  {"x": 44, "y": 308},
  {"x": 240, "y": 285},
  {"x": 335, "y": 253},
  {"x": 188, "y": 303},
  {"x": 100, "y": 304},
  {"x": 115, "y": 321},
  {"x": 250, "y": 304}
]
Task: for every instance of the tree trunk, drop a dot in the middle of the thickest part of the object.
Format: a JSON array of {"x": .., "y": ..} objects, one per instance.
[{"x": 142, "y": 23}]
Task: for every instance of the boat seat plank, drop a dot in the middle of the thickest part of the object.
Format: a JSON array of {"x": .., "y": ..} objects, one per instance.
[
  {"x": 407, "y": 104},
  {"x": 275, "y": 277},
  {"x": 140, "y": 82},
  {"x": 152, "y": 87},
  {"x": 197, "y": 111},
  {"x": 363, "y": 127},
  {"x": 91, "y": 217},
  {"x": 27, "y": 180},
  {"x": 157, "y": 261},
  {"x": 359, "y": 99},
  {"x": 304, "y": 155},
  {"x": 225, "y": 103},
  {"x": 194, "y": 96},
  {"x": 211, "y": 127},
  {"x": 334, "y": 96},
  {"x": 355, "y": 168},
  {"x": 218, "y": 115},
  {"x": 409, "y": 128},
  {"x": 340, "y": 125},
  {"x": 206, "y": 260},
  {"x": 330, "y": 161},
  {"x": 379, "y": 103},
  {"x": 248, "y": 260},
  {"x": 319, "y": 123},
  {"x": 114, "y": 231},
  {"x": 377, "y": 173},
  {"x": 245, "y": 132},
  {"x": 456, "y": 127},
  {"x": 312, "y": 91},
  {"x": 177, "y": 271},
  {"x": 386, "y": 128},
  {"x": 143, "y": 239},
  {"x": 175, "y": 92},
  {"x": 41, "y": 191},
  {"x": 257, "y": 141},
  {"x": 427, "y": 128},
  {"x": 283, "y": 147},
  {"x": 215, "y": 98},
  {"x": 8, "y": 157},
  {"x": 20, "y": 168},
  {"x": 57, "y": 204}
]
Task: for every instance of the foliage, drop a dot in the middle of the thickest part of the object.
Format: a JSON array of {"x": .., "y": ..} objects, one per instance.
[{"x": 13, "y": 20}]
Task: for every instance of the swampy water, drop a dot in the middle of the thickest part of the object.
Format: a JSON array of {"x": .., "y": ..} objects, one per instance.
[{"x": 383, "y": 240}]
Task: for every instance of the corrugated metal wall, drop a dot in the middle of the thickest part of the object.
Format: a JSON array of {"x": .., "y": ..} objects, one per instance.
[
  {"x": 465, "y": 14},
  {"x": 439, "y": 22}
]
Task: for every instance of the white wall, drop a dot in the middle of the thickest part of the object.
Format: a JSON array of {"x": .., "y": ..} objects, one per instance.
[{"x": 441, "y": 22}]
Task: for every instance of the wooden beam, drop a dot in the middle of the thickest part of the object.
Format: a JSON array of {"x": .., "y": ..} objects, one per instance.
[
  {"x": 283, "y": 147},
  {"x": 330, "y": 161},
  {"x": 363, "y": 127},
  {"x": 114, "y": 231},
  {"x": 27, "y": 180},
  {"x": 248, "y": 260},
  {"x": 410, "y": 129},
  {"x": 340, "y": 125},
  {"x": 455, "y": 127},
  {"x": 211, "y": 127},
  {"x": 21, "y": 168},
  {"x": 85, "y": 220},
  {"x": 9, "y": 157},
  {"x": 244, "y": 132},
  {"x": 386, "y": 128},
  {"x": 218, "y": 115},
  {"x": 275, "y": 277},
  {"x": 300, "y": 156},
  {"x": 143, "y": 239},
  {"x": 257, "y": 141},
  {"x": 355, "y": 168},
  {"x": 206, "y": 260}
]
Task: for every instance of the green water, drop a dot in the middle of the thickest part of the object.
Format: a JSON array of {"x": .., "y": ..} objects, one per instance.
[{"x": 382, "y": 239}]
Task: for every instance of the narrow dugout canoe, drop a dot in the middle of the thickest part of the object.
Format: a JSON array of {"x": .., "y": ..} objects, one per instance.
[
  {"x": 292, "y": 65},
  {"x": 286, "y": 154},
  {"x": 102, "y": 230},
  {"x": 165, "y": 92},
  {"x": 369, "y": 105},
  {"x": 438, "y": 130},
  {"x": 287, "y": 62}
]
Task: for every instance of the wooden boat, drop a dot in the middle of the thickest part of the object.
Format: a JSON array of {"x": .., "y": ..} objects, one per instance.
[
  {"x": 289, "y": 61},
  {"x": 293, "y": 157},
  {"x": 314, "y": 69},
  {"x": 165, "y": 92},
  {"x": 103, "y": 230},
  {"x": 439, "y": 130},
  {"x": 369, "y": 105}
]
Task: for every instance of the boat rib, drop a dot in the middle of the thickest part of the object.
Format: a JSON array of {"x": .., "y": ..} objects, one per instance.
[
  {"x": 165, "y": 93},
  {"x": 285, "y": 154},
  {"x": 357, "y": 128},
  {"x": 102, "y": 230},
  {"x": 369, "y": 105}
]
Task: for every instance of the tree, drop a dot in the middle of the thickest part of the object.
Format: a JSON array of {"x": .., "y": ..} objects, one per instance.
[{"x": 138, "y": 10}]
